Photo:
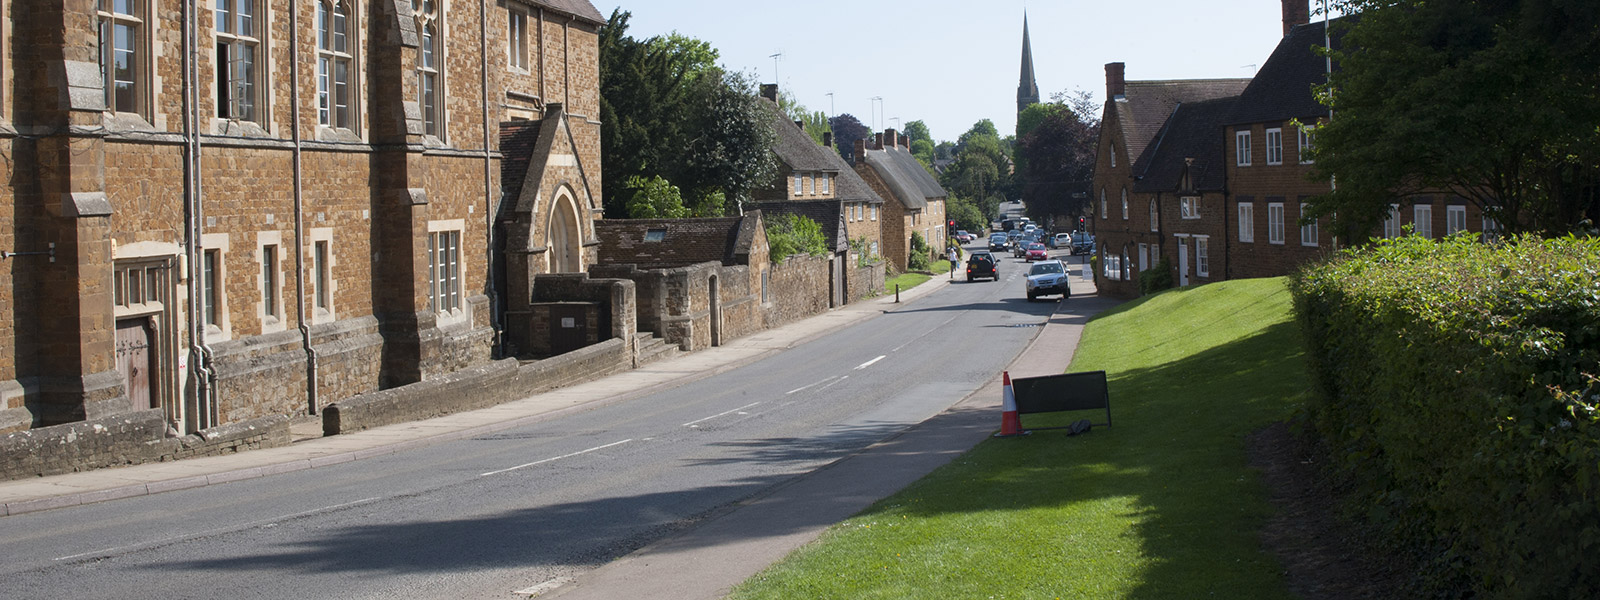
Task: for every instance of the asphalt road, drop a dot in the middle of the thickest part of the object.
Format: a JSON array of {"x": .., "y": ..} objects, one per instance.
[{"x": 484, "y": 517}]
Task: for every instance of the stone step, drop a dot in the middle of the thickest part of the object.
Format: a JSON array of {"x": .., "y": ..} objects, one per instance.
[{"x": 653, "y": 348}]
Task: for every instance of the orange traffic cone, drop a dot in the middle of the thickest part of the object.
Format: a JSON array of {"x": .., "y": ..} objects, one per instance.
[{"x": 1010, "y": 421}]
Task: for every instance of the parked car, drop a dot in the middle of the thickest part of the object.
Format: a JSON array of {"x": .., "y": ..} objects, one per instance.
[
  {"x": 1061, "y": 240},
  {"x": 1082, "y": 243},
  {"x": 982, "y": 264},
  {"x": 1048, "y": 278},
  {"x": 964, "y": 237},
  {"x": 1036, "y": 251},
  {"x": 998, "y": 242}
]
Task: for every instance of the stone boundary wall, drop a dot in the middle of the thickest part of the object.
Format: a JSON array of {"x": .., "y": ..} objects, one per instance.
[
  {"x": 127, "y": 439},
  {"x": 475, "y": 388},
  {"x": 798, "y": 289},
  {"x": 866, "y": 282}
]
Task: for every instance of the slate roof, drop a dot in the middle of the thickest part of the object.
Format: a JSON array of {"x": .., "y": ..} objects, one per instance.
[
  {"x": 1146, "y": 106},
  {"x": 684, "y": 242},
  {"x": 582, "y": 9},
  {"x": 1195, "y": 130},
  {"x": 824, "y": 212},
  {"x": 1281, "y": 90},
  {"x": 518, "y": 140}
]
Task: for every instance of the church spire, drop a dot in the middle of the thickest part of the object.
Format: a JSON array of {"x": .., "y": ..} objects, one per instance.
[{"x": 1027, "y": 87}]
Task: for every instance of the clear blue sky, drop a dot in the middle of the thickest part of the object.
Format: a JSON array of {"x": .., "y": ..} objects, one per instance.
[{"x": 952, "y": 63}]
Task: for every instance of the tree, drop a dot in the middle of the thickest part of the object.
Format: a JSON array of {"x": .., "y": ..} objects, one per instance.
[
  {"x": 1056, "y": 160},
  {"x": 789, "y": 234},
  {"x": 846, "y": 130},
  {"x": 917, "y": 130},
  {"x": 815, "y": 122},
  {"x": 965, "y": 213},
  {"x": 982, "y": 167},
  {"x": 653, "y": 198},
  {"x": 730, "y": 148},
  {"x": 1495, "y": 102}
]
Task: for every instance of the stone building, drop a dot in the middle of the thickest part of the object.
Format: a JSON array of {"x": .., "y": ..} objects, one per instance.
[
  {"x": 228, "y": 210},
  {"x": 913, "y": 199},
  {"x": 813, "y": 181}
]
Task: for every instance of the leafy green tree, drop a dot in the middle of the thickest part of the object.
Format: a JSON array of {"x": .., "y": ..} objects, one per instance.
[
  {"x": 814, "y": 121},
  {"x": 789, "y": 234},
  {"x": 919, "y": 259},
  {"x": 1055, "y": 159},
  {"x": 730, "y": 146},
  {"x": 1496, "y": 102},
  {"x": 653, "y": 198},
  {"x": 965, "y": 213},
  {"x": 917, "y": 130},
  {"x": 923, "y": 150}
]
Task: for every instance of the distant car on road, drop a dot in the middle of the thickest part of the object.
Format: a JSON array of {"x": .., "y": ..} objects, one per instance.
[
  {"x": 1037, "y": 251},
  {"x": 1048, "y": 278},
  {"x": 982, "y": 264},
  {"x": 964, "y": 237},
  {"x": 1061, "y": 240},
  {"x": 998, "y": 242},
  {"x": 1019, "y": 248},
  {"x": 1082, "y": 243}
]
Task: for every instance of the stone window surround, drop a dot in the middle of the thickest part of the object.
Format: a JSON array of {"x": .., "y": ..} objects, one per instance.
[
  {"x": 1275, "y": 222},
  {"x": 329, "y": 313},
  {"x": 259, "y": 42},
  {"x": 1308, "y": 233},
  {"x": 459, "y": 314},
  {"x": 274, "y": 320},
  {"x": 432, "y": 32},
  {"x": 1274, "y": 145},
  {"x": 145, "y": 79},
  {"x": 355, "y": 37},
  {"x": 219, "y": 244},
  {"x": 1247, "y": 222}
]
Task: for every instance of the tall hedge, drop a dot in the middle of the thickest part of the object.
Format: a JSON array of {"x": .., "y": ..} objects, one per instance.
[{"x": 1456, "y": 383}]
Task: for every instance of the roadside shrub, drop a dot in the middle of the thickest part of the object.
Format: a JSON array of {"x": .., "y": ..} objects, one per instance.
[
  {"x": 793, "y": 234},
  {"x": 918, "y": 261},
  {"x": 1156, "y": 279},
  {"x": 1455, "y": 383}
]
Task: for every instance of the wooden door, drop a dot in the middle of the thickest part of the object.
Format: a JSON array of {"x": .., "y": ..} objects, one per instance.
[
  {"x": 136, "y": 362},
  {"x": 569, "y": 328}
]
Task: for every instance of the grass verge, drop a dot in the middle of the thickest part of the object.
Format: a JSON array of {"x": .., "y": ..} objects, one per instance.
[
  {"x": 1161, "y": 506},
  {"x": 906, "y": 281}
]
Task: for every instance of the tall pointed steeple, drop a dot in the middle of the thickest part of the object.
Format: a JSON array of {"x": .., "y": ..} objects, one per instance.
[{"x": 1027, "y": 88}]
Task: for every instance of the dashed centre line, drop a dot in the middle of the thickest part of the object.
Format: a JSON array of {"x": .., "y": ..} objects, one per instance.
[
  {"x": 540, "y": 462},
  {"x": 720, "y": 414},
  {"x": 870, "y": 362}
]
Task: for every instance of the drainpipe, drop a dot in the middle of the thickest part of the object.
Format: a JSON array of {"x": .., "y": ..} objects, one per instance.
[
  {"x": 488, "y": 187},
  {"x": 300, "y": 215},
  {"x": 200, "y": 355}
]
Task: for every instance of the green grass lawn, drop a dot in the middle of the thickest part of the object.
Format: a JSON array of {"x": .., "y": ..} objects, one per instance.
[
  {"x": 906, "y": 281},
  {"x": 1161, "y": 506}
]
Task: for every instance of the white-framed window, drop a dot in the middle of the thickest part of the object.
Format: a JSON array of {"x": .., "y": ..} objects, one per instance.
[
  {"x": 1491, "y": 229},
  {"x": 1275, "y": 146},
  {"x": 1455, "y": 219},
  {"x": 1275, "y": 222},
  {"x": 799, "y": 184},
  {"x": 1422, "y": 220},
  {"x": 1247, "y": 222},
  {"x": 430, "y": 66},
  {"x": 1202, "y": 261},
  {"x": 1307, "y": 132},
  {"x": 123, "y": 29},
  {"x": 826, "y": 182},
  {"x": 1308, "y": 232},
  {"x": 323, "y": 284},
  {"x": 874, "y": 217},
  {"x": 214, "y": 287},
  {"x": 1241, "y": 147},
  {"x": 335, "y": 65},
  {"x": 269, "y": 280},
  {"x": 517, "y": 38},
  {"x": 1124, "y": 204},
  {"x": 1391, "y": 225},
  {"x": 238, "y": 32},
  {"x": 1189, "y": 207},
  {"x": 444, "y": 267},
  {"x": 1155, "y": 216},
  {"x": 1103, "y": 210}
]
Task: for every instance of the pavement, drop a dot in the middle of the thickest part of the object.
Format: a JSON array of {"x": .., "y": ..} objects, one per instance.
[{"x": 738, "y": 543}]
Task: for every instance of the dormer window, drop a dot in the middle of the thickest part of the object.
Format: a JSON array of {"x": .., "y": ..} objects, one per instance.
[
  {"x": 655, "y": 235},
  {"x": 1189, "y": 207}
]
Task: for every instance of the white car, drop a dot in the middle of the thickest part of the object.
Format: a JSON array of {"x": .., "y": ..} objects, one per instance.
[{"x": 1047, "y": 278}]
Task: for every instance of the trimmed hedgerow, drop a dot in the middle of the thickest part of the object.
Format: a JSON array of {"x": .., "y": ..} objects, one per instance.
[{"x": 1456, "y": 384}]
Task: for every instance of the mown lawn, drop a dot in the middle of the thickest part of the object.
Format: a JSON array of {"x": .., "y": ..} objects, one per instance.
[
  {"x": 1163, "y": 505},
  {"x": 906, "y": 281}
]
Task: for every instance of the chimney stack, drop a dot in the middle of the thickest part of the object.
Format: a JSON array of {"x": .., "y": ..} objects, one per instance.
[
  {"x": 905, "y": 142},
  {"x": 827, "y": 139},
  {"x": 769, "y": 91},
  {"x": 877, "y": 141},
  {"x": 1116, "y": 86},
  {"x": 891, "y": 138},
  {"x": 861, "y": 151},
  {"x": 800, "y": 124},
  {"x": 1295, "y": 12}
]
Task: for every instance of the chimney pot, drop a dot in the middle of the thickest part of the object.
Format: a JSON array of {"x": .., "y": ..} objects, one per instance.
[
  {"x": 1116, "y": 85},
  {"x": 827, "y": 139},
  {"x": 861, "y": 150},
  {"x": 1295, "y": 12}
]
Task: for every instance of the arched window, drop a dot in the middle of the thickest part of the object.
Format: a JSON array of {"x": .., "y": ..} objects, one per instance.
[
  {"x": 430, "y": 67},
  {"x": 1155, "y": 216}
]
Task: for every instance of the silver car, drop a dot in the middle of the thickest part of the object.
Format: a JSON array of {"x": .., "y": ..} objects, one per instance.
[{"x": 1047, "y": 278}]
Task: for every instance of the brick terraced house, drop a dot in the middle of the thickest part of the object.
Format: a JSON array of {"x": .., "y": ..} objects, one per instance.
[{"x": 225, "y": 210}]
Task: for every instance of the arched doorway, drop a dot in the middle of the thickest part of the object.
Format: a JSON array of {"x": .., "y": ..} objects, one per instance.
[
  {"x": 563, "y": 236},
  {"x": 716, "y": 312}
]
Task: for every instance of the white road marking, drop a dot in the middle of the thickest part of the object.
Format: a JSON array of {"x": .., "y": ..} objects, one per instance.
[
  {"x": 870, "y": 362},
  {"x": 540, "y": 462},
  {"x": 210, "y": 532},
  {"x": 720, "y": 414},
  {"x": 801, "y": 389},
  {"x": 832, "y": 384},
  {"x": 547, "y": 586},
  {"x": 938, "y": 327}
]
